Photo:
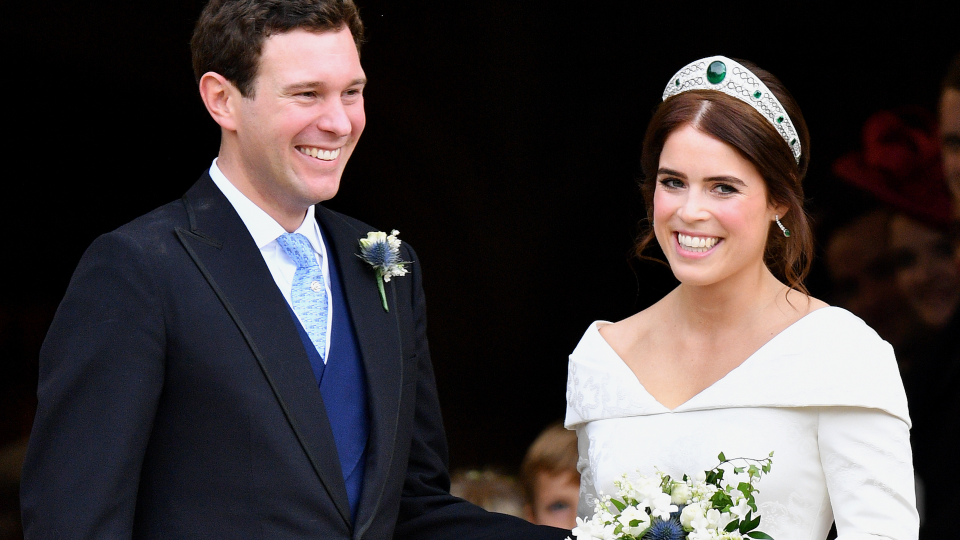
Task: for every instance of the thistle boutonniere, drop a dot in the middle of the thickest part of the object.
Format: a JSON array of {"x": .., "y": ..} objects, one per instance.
[{"x": 382, "y": 252}]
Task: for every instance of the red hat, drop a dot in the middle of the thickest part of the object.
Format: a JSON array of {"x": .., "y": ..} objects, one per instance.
[{"x": 900, "y": 165}]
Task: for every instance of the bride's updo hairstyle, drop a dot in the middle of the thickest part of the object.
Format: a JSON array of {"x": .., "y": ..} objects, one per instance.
[{"x": 738, "y": 124}]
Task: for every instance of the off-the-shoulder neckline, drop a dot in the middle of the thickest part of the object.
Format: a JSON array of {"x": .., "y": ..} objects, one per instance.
[{"x": 622, "y": 365}]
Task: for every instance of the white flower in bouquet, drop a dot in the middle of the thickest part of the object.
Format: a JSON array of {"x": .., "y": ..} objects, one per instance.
[
  {"x": 661, "y": 506},
  {"x": 593, "y": 530},
  {"x": 741, "y": 507},
  {"x": 634, "y": 521},
  {"x": 693, "y": 517},
  {"x": 681, "y": 493}
]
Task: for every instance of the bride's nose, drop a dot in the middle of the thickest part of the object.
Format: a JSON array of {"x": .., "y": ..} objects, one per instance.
[{"x": 693, "y": 208}]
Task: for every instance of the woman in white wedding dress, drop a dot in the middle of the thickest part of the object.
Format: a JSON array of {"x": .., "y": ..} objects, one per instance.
[{"x": 739, "y": 358}]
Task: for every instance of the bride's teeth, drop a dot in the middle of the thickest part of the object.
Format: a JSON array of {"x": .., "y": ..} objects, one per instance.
[{"x": 696, "y": 243}]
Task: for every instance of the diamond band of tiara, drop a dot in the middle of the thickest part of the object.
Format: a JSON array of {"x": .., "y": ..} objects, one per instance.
[{"x": 732, "y": 78}]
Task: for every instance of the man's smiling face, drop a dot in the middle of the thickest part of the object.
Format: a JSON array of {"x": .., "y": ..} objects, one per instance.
[{"x": 299, "y": 127}]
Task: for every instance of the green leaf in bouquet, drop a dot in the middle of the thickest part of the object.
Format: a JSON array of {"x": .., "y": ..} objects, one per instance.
[
  {"x": 738, "y": 470},
  {"x": 749, "y": 523},
  {"x": 620, "y": 506},
  {"x": 732, "y": 526},
  {"x": 753, "y": 471},
  {"x": 665, "y": 484},
  {"x": 721, "y": 457},
  {"x": 759, "y": 535},
  {"x": 721, "y": 501}
]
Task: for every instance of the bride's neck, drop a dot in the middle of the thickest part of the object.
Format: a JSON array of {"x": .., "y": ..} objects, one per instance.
[{"x": 729, "y": 305}]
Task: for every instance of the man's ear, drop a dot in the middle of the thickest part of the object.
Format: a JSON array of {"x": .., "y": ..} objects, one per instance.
[{"x": 220, "y": 97}]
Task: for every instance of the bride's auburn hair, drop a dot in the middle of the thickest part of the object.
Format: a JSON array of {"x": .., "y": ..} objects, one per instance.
[{"x": 742, "y": 127}]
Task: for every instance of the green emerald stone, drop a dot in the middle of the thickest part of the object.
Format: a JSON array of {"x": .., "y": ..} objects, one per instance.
[
  {"x": 779, "y": 119},
  {"x": 677, "y": 82},
  {"x": 793, "y": 142},
  {"x": 716, "y": 71},
  {"x": 786, "y": 232},
  {"x": 757, "y": 94}
]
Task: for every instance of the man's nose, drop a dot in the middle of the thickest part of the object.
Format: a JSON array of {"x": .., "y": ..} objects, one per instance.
[{"x": 335, "y": 119}]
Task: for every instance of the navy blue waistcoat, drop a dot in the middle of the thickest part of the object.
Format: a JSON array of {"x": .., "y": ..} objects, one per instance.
[{"x": 343, "y": 387}]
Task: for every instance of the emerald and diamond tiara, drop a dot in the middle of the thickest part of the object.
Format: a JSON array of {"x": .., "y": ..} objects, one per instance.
[{"x": 732, "y": 78}]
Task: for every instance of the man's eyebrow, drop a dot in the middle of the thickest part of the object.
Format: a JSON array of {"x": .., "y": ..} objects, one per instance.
[
  {"x": 300, "y": 86},
  {"x": 311, "y": 85}
]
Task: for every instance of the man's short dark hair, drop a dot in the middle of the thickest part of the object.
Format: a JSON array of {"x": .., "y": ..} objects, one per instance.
[
  {"x": 229, "y": 36},
  {"x": 952, "y": 80}
]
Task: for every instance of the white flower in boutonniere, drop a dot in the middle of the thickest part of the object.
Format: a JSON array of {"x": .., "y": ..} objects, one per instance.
[{"x": 382, "y": 252}]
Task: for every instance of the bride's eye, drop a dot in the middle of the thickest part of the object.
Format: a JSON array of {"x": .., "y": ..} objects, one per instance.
[
  {"x": 725, "y": 189},
  {"x": 672, "y": 183}
]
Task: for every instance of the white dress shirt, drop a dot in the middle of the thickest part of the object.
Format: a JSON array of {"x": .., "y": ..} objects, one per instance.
[{"x": 265, "y": 230}]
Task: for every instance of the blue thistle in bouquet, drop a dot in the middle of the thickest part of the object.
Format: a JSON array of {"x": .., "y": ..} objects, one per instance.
[
  {"x": 665, "y": 529},
  {"x": 382, "y": 252}
]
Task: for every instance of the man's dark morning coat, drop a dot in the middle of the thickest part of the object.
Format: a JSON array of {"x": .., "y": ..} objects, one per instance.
[{"x": 176, "y": 399}]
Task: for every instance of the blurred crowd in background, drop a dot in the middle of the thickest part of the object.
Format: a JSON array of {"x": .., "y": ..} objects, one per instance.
[{"x": 892, "y": 256}]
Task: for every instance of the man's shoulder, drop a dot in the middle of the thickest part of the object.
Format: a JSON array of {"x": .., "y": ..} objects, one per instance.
[
  {"x": 170, "y": 215},
  {"x": 164, "y": 219},
  {"x": 156, "y": 229}
]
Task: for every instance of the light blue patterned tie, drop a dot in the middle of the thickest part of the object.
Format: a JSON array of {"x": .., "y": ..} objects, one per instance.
[{"x": 308, "y": 294}]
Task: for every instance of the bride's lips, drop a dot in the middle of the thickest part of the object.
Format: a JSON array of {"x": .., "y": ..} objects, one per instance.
[{"x": 695, "y": 245}]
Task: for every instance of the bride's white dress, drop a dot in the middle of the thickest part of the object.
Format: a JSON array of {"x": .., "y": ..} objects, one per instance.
[{"x": 825, "y": 395}]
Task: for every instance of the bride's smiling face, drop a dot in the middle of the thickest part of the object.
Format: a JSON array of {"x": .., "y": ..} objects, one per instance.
[{"x": 710, "y": 208}]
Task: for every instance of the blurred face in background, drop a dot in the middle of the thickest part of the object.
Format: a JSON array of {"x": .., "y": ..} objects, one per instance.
[
  {"x": 862, "y": 276},
  {"x": 925, "y": 269},
  {"x": 555, "y": 500},
  {"x": 950, "y": 140}
]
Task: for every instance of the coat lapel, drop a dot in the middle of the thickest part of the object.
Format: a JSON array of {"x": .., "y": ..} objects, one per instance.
[
  {"x": 226, "y": 254},
  {"x": 380, "y": 345}
]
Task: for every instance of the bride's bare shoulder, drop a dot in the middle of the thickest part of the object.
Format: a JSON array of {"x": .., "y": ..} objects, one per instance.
[
  {"x": 804, "y": 304},
  {"x": 622, "y": 334}
]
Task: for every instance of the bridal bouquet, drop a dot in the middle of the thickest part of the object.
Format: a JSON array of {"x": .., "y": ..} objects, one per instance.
[{"x": 704, "y": 507}]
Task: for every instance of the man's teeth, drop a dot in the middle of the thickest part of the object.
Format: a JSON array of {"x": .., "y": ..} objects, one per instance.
[
  {"x": 698, "y": 244},
  {"x": 326, "y": 155}
]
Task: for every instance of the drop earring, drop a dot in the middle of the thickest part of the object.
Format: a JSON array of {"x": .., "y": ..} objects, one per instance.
[{"x": 786, "y": 231}]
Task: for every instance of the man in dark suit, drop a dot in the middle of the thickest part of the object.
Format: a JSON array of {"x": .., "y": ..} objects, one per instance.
[{"x": 226, "y": 366}]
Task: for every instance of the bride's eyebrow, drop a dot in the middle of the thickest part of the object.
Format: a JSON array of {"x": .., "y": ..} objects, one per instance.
[
  {"x": 727, "y": 180},
  {"x": 670, "y": 172}
]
